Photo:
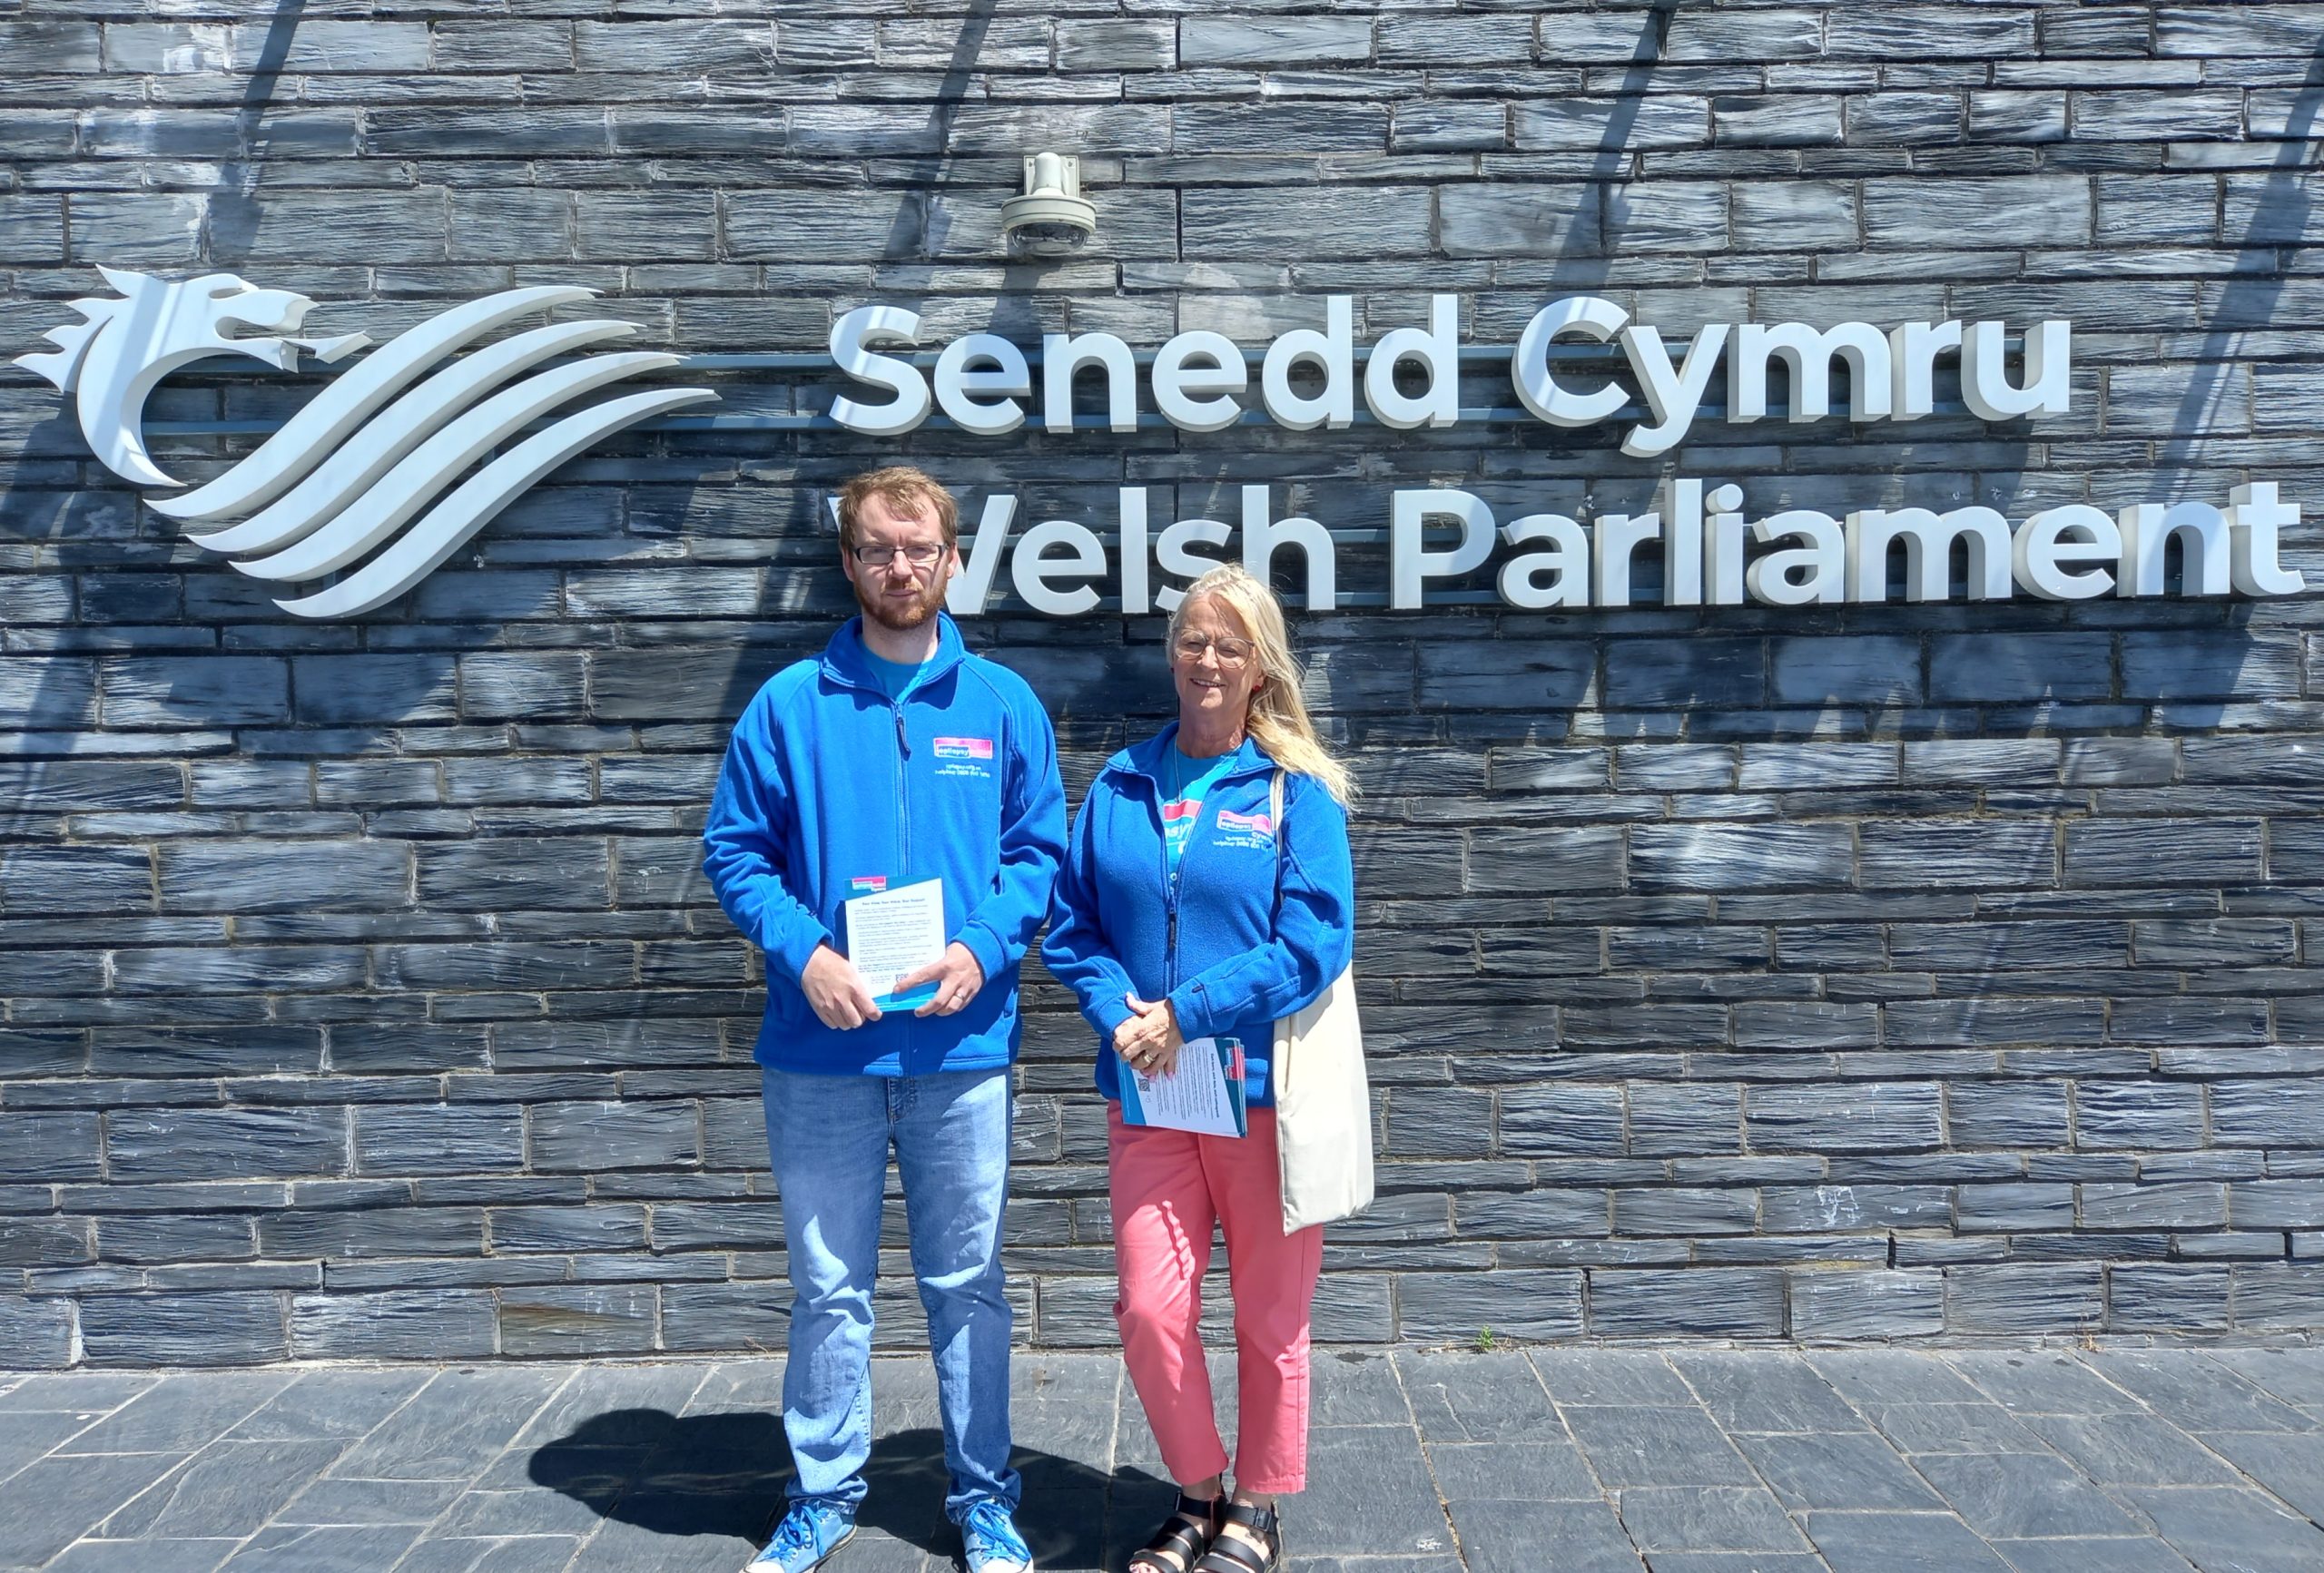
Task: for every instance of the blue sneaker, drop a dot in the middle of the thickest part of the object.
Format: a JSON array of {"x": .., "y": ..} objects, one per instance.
[
  {"x": 810, "y": 1532},
  {"x": 991, "y": 1538}
]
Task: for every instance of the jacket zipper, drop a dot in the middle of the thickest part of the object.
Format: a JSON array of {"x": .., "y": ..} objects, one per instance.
[
  {"x": 1169, "y": 887},
  {"x": 903, "y": 792}
]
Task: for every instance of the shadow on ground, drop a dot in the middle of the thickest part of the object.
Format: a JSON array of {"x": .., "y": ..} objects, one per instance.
[{"x": 723, "y": 1474}]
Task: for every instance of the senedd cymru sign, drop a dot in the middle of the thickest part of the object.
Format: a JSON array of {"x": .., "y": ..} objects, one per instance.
[{"x": 360, "y": 482}]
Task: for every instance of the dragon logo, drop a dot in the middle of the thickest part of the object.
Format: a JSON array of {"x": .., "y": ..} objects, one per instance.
[{"x": 360, "y": 480}]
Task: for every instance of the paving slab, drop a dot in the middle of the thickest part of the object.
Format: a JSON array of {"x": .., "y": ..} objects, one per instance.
[
  {"x": 1657, "y": 1445},
  {"x": 1762, "y": 1392},
  {"x": 1901, "y": 1543},
  {"x": 2033, "y": 1382},
  {"x": 2134, "y": 1449},
  {"x": 2223, "y": 1530},
  {"x": 1851, "y": 1471},
  {"x": 2008, "y": 1496},
  {"x": 1952, "y": 1428},
  {"x": 2198, "y": 1392},
  {"x": 2291, "y": 1467},
  {"x": 1677, "y": 1459},
  {"x": 1664, "y": 1519},
  {"x": 2092, "y": 1557},
  {"x": 1512, "y": 1471}
]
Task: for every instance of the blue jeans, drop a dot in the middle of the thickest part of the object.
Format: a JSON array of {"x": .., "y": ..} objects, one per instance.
[{"x": 829, "y": 1137}]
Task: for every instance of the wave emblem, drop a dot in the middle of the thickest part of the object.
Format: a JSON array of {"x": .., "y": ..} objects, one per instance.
[{"x": 361, "y": 480}]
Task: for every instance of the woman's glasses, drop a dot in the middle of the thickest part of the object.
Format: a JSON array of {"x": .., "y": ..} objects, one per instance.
[{"x": 1230, "y": 651}]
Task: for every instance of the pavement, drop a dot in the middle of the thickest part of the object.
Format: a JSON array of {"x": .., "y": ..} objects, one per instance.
[{"x": 1687, "y": 1460}]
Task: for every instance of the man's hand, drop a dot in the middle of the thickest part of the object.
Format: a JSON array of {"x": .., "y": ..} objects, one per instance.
[
  {"x": 1149, "y": 1041},
  {"x": 835, "y": 990},
  {"x": 957, "y": 977}
]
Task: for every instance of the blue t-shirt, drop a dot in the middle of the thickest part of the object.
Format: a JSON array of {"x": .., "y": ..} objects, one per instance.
[
  {"x": 1186, "y": 782},
  {"x": 894, "y": 677}
]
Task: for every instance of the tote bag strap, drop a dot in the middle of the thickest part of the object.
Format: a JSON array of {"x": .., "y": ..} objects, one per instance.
[{"x": 1274, "y": 810}]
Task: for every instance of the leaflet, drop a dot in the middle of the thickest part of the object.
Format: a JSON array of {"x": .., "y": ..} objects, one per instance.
[
  {"x": 1203, "y": 1092},
  {"x": 894, "y": 932}
]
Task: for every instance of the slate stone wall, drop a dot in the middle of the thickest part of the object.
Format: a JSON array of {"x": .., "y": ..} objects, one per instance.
[{"x": 1884, "y": 972}]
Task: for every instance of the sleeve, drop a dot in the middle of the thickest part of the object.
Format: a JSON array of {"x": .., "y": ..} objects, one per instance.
[
  {"x": 1076, "y": 953},
  {"x": 744, "y": 849},
  {"x": 999, "y": 928},
  {"x": 1314, "y": 926}
]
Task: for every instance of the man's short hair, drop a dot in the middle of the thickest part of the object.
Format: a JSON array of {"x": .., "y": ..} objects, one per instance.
[{"x": 907, "y": 490}]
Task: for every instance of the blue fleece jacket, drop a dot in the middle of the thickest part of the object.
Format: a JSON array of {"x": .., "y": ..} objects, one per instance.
[
  {"x": 1245, "y": 935},
  {"x": 831, "y": 789}
]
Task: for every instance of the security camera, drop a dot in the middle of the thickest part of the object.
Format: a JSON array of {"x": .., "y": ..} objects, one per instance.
[{"x": 1051, "y": 219}]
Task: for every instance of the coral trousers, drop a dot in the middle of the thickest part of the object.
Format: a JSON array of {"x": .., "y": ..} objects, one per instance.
[{"x": 1168, "y": 1188}]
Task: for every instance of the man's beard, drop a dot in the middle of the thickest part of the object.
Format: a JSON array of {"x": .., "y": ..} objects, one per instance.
[{"x": 901, "y": 618}]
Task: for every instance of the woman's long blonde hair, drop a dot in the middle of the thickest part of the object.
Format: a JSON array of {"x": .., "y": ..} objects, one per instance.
[{"x": 1278, "y": 716}]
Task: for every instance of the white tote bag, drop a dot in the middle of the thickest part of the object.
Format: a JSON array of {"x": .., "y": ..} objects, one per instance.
[{"x": 1322, "y": 1105}]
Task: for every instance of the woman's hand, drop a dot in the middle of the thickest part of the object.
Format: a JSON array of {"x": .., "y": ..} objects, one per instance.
[{"x": 1149, "y": 1041}]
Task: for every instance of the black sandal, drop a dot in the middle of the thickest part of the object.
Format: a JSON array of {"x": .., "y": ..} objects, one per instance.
[
  {"x": 1187, "y": 1541},
  {"x": 1233, "y": 1554}
]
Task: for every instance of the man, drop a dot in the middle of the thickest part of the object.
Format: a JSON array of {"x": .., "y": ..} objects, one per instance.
[{"x": 894, "y": 757}]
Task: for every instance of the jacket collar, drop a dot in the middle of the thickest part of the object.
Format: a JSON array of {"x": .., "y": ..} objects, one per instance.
[
  {"x": 1146, "y": 758},
  {"x": 846, "y": 661}
]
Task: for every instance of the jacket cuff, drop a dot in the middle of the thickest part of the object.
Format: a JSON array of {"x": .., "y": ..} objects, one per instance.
[
  {"x": 1109, "y": 1015},
  {"x": 789, "y": 959},
  {"x": 985, "y": 947},
  {"x": 1190, "y": 1003}
]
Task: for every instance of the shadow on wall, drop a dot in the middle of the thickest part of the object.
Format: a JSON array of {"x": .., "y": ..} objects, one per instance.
[{"x": 723, "y": 1474}]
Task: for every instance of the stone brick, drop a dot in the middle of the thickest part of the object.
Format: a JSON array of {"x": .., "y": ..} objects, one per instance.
[
  {"x": 575, "y": 1320},
  {"x": 2146, "y": 1115},
  {"x": 434, "y": 1325},
  {"x": 2267, "y": 1113},
  {"x": 504, "y": 874},
  {"x": 1439, "y": 1307},
  {"x": 224, "y": 1144},
  {"x": 332, "y": 688},
  {"x": 1988, "y": 668},
  {"x": 53, "y": 879},
  {"x": 437, "y": 1139},
  {"x": 1878, "y": 1305},
  {"x": 1703, "y": 1301},
  {"x": 1487, "y": 221},
  {"x": 1741, "y": 858},
  {"x": 1611, "y": 124},
  {"x": 1867, "y": 1116},
  {"x": 2016, "y": 211},
  {"x": 2162, "y": 851},
  {"x": 1274, "y": 41},
  {"x": 258, "y": 876},
  {"x": 45, "y": 1144},
  {"x": 146, "y": 1330},
  {"x": 585, "y": 1137},
  {"x": 2011, "y": 1115},
  {"x": 724, "y": 1316},
  {"x": 2145, "y": 1298},
  {"x": 1954, "y": 852},
  {"x": 1511, "y": 861},
  {"x": 35, "y": 1334},
  {"x": 1890, "y": 32},
  {"x": 2007, "y": 1299},
  {"x": 1557, "y": 1120}
]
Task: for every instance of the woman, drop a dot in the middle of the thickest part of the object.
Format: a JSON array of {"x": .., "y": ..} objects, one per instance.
[{"x": 1185, "y": 910}]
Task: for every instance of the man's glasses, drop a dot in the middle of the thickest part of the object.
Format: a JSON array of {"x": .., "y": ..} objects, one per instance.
[
  {"x": 1230, "y": 651},
  {"x": 920, "y": 554}
]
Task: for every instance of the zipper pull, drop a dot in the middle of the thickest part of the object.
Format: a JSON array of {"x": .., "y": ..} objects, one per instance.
[{"x": 903, "y": 743}]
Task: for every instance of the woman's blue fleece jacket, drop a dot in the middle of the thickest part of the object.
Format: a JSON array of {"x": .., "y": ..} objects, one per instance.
[
  {"x": 833, "y": 790},
  {"x": 1248, "y": 934}
]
